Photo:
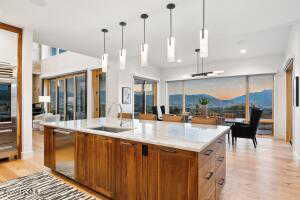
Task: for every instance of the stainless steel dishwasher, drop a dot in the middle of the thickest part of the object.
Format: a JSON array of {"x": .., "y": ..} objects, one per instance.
[{"x": 64, "y": 145}]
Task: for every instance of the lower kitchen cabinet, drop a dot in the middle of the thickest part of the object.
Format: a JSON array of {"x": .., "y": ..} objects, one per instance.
[
  {"x": 104, "y": 151},
  {"x": 127, "y": 171},
  {"x": 172, "y": 174}
]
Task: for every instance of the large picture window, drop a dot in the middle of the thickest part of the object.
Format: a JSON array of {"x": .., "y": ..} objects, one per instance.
[{"x": 228, "y": 97}]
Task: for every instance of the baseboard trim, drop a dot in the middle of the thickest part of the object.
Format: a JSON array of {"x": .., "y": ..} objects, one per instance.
[{"x": 26, "y": 154}]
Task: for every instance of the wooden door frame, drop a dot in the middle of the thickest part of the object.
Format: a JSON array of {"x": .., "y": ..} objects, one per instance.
[
  {"x": 19, "y": 31},
  {"x": 289, "y": 75}
]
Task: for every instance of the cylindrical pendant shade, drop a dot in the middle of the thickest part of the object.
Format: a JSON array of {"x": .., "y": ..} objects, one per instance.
[
  {"x": 203, "y": 43},
  {"x": 144, "y": 55},
  {"x": 104, "y": 62},
  {"x": 122, "y": 59},
  {"x": 171, "y": 49}
]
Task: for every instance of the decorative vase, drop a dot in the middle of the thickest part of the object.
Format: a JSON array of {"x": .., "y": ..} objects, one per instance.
[{"x": 203, "y": 110}]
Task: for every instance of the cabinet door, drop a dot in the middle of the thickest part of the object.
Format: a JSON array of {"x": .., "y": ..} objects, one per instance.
[
  {"x": 104, "y": 166},
  {"x": 172, "y": 174},
  {"x": 127, "y": 170},
  {"x": 81, "y": 165},
  {"x": 49, "y": 160}
]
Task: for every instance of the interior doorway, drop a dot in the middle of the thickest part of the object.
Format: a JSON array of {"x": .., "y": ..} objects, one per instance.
[{"x": 289, "y": 103}]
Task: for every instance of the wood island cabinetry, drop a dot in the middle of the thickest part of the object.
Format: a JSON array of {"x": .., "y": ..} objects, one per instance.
[{"x": 130, "y": 170}]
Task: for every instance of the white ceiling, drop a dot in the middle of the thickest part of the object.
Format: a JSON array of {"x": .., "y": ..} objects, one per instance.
[{"x": 260, "y": 26}]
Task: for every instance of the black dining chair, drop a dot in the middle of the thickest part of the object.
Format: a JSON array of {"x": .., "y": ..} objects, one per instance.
[
  {"x": 163, "y": 109},
  {"x": 242, "y": 130}
]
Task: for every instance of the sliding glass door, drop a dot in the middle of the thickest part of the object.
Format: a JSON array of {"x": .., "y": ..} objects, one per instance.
[
  {"x": 61, "y": 98},
  {"x": 70, "y": 92},
  {"x": 80, "y": 97},
  {"x": 68, "y": 96}
]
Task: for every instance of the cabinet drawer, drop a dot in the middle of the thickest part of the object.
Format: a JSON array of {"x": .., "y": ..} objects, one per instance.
[
  {"x": 221, "y": 142},
  {"x": 220, "y": 179},
  {"x": 207, "y": 179},
  {"x": 220, "y": 157},
  {"x": 207, "y": 154}
]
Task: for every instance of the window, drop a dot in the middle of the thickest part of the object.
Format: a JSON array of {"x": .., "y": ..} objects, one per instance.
[
  {"x": 261, "y": 94},
  {"x": 102, "y": 94},
  {"x": 53, "y": 96},
  {"x": 175, "y": 92},
  {"x": 80, "y": 97},
  {"x": 70, "y": 98},
  {"x": 60, "y": 51},
  {"x": 144, "y": 96},
  {"x": 53, "y": 51},
  {"x": 61, "y": 98}
]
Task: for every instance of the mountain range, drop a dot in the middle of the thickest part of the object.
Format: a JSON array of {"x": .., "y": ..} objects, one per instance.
[{"x": 261, "y": 99}]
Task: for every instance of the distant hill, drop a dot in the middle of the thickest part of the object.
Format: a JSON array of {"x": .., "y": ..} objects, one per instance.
[{"x": 262, "y": 99}]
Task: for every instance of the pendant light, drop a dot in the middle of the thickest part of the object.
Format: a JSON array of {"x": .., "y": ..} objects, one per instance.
[
  {"x": 202, "y": 73},
  {"x": 171, "y": 39},
  {"x": 144, "y": 46},
  {"x": 122, "y": 52},
  {"x": 104, "y": 58},
  {"x": 203, "y": 36}
]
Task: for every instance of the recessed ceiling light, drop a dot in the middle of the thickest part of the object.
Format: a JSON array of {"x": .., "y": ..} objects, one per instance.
[
  {"x": 40, "y": 3},
  {"x": 243, "y": 51},
  {"x": 179, "y": 60}
]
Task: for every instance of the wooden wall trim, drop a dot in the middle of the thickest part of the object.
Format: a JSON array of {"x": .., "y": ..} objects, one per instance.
[{"x": 19, "y": 31}]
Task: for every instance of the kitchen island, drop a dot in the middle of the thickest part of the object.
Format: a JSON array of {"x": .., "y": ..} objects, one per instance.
[{"x": 140, "y": 160}]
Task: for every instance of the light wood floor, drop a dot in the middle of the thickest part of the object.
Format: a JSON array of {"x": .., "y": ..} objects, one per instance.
[{"x": 267, "y": 173}]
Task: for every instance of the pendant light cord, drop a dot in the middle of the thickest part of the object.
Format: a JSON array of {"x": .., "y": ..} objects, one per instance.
[
  {"x": 144, "y": 31},
  {"x": 104, "y": 47},
  {"x": 171, "y": 23},
  {"x": 122, "y": 37},
  {"x": 203, "y": 23}
]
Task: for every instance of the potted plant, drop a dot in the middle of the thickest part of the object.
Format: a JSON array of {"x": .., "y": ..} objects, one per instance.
[{"x": 203, "y": 105}]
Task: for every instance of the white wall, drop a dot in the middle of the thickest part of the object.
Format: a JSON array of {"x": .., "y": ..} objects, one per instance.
[
  {"x": 293, "y": 51},
  {"x": 27, "y": 94},
  {"x": 257, "y": 65},
  {"x": 116, "y": 79}
]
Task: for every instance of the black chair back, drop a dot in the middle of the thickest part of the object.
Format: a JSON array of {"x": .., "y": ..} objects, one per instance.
[
  {"x": 154, "y": 110},
  {"x": 254, "y": 119},
  {"x": 163, "y": 109}
]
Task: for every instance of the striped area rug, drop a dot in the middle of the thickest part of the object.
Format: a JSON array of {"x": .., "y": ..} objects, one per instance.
[{"x": 40, "y": 186}]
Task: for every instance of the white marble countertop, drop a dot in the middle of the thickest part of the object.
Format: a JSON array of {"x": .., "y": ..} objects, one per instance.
[{"x": 186, "y": 136}]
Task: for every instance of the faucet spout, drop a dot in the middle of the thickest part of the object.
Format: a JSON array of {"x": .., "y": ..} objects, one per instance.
[{"x": 121, "y": 111}]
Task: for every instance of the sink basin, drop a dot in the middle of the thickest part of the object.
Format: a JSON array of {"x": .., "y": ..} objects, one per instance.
[{"x": 111, "y": 129}]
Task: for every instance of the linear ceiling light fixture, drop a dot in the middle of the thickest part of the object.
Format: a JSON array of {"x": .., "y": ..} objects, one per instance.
[
  {"x": 202, "y": 73},
  {"x": 144, "y": 46},
  {"x": 122, "y": 52},
  {"x": 171, "y": 39},
  {"x": 104, "y": 58},
  {"x": 203, "y": 36}
]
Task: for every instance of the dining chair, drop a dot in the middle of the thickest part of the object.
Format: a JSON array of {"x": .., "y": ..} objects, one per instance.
[
  {"x": 147, "y": 117},
  {"x": 163, "y": 109},
  {"x": 242, "y": 130},
  {"x": 172, "y": 118},
  {"x": 125, "y": 115}
]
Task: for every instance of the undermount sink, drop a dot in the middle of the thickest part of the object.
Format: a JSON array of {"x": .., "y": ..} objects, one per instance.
[{"x": 110, "y": 129}]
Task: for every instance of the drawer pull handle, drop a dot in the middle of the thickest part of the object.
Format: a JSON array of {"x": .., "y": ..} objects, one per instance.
[
  {"x": 208, "y": 152},
  {"x": 221, "y": 159},
  {"x": 127, "y": 143},
  {"x": 168, "y": 150},
  {"x": 209, "y": 175},
  {"x": 221, "y": 182}
]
